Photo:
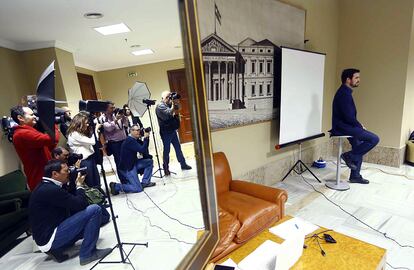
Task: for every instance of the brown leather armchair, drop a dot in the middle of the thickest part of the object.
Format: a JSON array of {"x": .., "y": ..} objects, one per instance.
[{"x": 245, "y": 209}]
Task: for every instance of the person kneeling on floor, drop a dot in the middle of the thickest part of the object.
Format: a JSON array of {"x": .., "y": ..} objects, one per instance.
[
  {"x": 131, "y": 165},
  {"x": 54, "y": 229}
]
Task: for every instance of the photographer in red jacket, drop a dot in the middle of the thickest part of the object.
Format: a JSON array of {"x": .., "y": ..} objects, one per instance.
[{"x": 32, "y": 146}]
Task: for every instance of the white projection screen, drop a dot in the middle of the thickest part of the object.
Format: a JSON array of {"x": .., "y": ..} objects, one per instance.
[{"x": 301, "y": 95}]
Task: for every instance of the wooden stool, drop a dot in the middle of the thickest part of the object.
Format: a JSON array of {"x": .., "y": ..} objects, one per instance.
[{"x": 338, "y": 184}]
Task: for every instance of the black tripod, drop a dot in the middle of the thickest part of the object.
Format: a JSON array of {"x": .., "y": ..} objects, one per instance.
[
  {"x": 156, "y": 149},
  {"x": 301, "y": 169},
  {"x": 124, "y": 255}
]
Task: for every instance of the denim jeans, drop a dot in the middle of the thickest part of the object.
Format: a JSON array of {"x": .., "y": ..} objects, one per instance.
[
  {"x": 167, "y": 139},
  {"x": 134, "y": 185},
  {"x": 361, "y": 144},
  {"x": 84, "y": 224}
]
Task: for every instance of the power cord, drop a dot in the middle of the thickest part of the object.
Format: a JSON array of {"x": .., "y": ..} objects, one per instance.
[
  {"x": 359, "y": 220},
  {"x": 132, "y": 206}
]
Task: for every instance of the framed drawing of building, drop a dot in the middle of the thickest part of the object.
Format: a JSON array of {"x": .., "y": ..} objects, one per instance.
[{"x": 240, "y": 42}]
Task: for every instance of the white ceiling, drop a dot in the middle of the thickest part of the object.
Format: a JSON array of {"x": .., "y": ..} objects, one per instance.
[{"x": 34, "y": 24}]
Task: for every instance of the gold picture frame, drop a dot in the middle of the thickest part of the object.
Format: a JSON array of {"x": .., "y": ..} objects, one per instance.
[{"x": 199, "y": 255}]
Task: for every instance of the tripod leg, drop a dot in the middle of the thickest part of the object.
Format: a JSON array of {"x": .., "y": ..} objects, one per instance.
[
  {"x": 307, "y": 169},
  {"x": 291, "y": 169}
]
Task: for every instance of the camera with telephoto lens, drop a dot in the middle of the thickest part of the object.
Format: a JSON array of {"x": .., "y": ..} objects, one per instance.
[
  {"x": 174, "y": 96},
  {"x": 144, "y": 130},
  {"x": 74, "y": 171},
  {"x": 73, "y": 158},
  {"x": 7, "y": 125}
]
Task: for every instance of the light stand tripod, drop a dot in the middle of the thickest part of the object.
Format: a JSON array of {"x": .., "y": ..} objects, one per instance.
[
  {"x": 300, "y": 163},
  {"x": 124, "y": 255},
  {"x": 156, "y": 149}
]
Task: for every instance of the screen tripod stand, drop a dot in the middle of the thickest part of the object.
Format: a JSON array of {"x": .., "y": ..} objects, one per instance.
[
  {"x": 300, "y": 164},
  {"x": 120, "y": 245}
]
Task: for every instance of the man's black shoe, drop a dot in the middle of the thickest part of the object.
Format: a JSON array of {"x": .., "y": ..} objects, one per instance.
[
  {"x": 98, "y": 254},
  {"x": 359, "y": 180},
  {"x": 57, "y": 255},
  {"x": 349, "y": 162},
  {"x": 185, "y": 167},
  {"x": 147, "y": 185},
  {"x": 112, "y": 188}
]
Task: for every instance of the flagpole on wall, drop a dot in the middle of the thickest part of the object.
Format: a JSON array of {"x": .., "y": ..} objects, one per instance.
[{"x": 215, "y": 18}]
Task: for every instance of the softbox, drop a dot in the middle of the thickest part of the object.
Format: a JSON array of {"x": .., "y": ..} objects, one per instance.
[
  {"x": 93, "y": 106},
  {"x": 136, "y": 96},
  {"x": 46, "y": 100}
]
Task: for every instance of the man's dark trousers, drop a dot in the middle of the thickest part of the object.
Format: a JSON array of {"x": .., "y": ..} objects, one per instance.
[
  {"x": 171, "y": 138},
  {"x": 361, "y": 143}
]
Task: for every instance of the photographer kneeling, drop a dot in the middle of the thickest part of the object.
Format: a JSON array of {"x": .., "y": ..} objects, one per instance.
[
  {"x": 130, "y": 165},
  {"x": 53, "y": 228}
]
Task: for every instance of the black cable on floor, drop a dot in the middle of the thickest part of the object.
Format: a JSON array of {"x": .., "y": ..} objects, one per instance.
[
  {"x": 132, "y": 206},
  {"x": 351, "y": 215}
]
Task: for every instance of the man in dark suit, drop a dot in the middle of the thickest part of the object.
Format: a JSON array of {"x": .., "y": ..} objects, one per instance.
[
  {"x": 58, "y": 218},
  {"x": 344, "y": 122}
]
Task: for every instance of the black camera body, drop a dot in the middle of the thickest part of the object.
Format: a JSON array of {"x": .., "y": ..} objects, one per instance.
[
  {"x": 174, "y": 96},
  {"x": 119, "y": 111},
  {"x": 7, "y": 124},
  {"x": 144, "y": 130},
  {"x": 73, "y": 158}
]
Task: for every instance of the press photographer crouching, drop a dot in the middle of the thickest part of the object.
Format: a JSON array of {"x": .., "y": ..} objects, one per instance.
[
  {"x": 94, "y": 195},
  {"x": 168, "y": 118},
  {"x": 130, "y": 165},
  {"x": 32, "y": 146},
  {"x": 81, "y": 141},
  {"x": 58, "y": 219}
]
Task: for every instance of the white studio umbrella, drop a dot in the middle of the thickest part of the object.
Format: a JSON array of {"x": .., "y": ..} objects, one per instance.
[{"x": 136, "y": 96}]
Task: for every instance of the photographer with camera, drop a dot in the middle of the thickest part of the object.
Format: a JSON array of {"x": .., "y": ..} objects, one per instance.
[
  {"x": 81, "y": 141},
  {"x": 131, "y": 165},
  {"x": 114, "y": 123},
  {"x": 74, "y": 163},
  {"x": 169, "y": 121},
  {"x": 58, "y": 219},
  {"x": 32, "y": 146}
]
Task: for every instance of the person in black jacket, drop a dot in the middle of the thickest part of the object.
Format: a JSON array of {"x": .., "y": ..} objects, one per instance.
[
  {"x": 168, "y": 119},
  {"x": 58, "y": 219},
  {"x": 344, "y": 122},
  {"x": 130, "y": 164}
]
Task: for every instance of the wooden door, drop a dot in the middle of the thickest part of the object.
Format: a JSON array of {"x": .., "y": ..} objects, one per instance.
[
  {"x": 87, "y": 86},
  {"x": 178, "y": 83}
]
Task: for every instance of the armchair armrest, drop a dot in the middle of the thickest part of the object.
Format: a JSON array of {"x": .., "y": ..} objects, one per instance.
[
  {"x": 23, "y": 195},
  {"x": 9, "y": 206},
  {"x": 274, "y": 195}
]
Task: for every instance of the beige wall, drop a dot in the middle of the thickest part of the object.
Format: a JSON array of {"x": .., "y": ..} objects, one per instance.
[
  {"x": 69, "y": 79},
  {"x": 252, "y": 146},
  {"x": 115, "y": 83},
  {"x": 408, "y": 114},
  {"x": 13, "y": 85},
  {"x": 374, "y": 37}
]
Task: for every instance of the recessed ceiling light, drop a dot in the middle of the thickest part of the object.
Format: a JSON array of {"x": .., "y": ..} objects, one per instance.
[
  {"x": 113, "y": 29},
  {"x": 177, "y": 47},
  {"x": 93, "y": 15},
  {"x": 143, "y": 52}
]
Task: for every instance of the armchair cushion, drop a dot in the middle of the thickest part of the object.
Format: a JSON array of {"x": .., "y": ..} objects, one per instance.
[
  {"x": 228, "y": 227},
  {"x": 253, "y": 213}
]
